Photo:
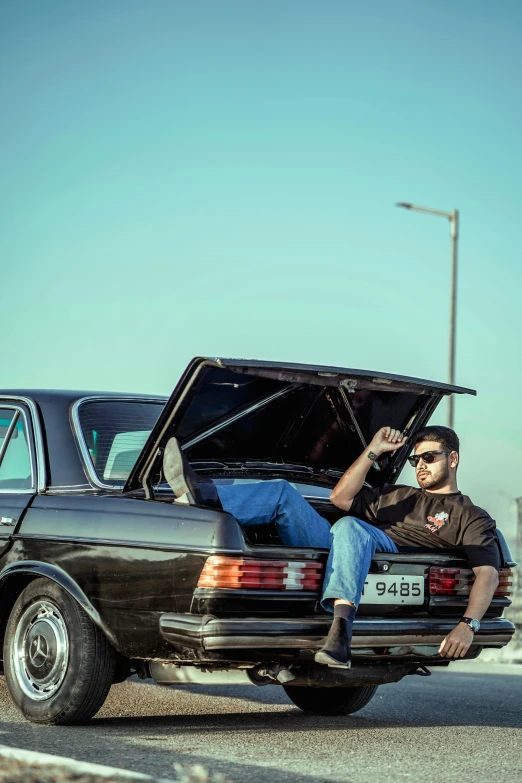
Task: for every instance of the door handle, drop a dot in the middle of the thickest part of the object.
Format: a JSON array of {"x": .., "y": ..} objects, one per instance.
[{"x": 8, "y": 521}]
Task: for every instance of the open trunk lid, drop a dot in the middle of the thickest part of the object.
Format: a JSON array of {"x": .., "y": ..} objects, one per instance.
[{"x": 304, "y": 422}]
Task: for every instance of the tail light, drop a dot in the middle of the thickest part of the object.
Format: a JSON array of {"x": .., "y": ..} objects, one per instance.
[
  {"x": 459, "y": 581},
  {"x": 505, "y": 582},
  {"x": 450, "y": 581},
  {"x": 250, "y": 574}
]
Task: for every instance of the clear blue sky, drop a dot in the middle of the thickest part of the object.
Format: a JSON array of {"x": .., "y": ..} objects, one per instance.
[{"x": 184, "y": 178}]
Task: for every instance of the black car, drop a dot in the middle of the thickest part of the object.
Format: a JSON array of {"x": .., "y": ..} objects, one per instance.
[{"x": 104, "y": 574}]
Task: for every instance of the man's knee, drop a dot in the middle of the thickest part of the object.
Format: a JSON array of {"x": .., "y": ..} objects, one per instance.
[
  {"x": 348, "y": 527},
  {"x": 286, "y": 490}
]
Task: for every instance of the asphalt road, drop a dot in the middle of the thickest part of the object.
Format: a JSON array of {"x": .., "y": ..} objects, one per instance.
[{"x": 452, "y": 726}]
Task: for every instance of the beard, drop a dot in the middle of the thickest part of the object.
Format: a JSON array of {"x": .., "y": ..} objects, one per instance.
[{"x": 435, "y": 480}]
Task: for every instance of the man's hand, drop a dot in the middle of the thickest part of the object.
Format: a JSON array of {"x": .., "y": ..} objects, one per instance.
[
  {"x": 385, "y": 440},
  {"x": 457, "y": 642},
  {"x": 349, "y": 485}
]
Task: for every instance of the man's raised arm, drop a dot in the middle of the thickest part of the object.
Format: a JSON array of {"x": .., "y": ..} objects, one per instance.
[{"x": 385, "y": 439}]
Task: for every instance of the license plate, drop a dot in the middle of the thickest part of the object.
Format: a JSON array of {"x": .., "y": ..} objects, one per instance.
[{"x": 379, "y": 589}]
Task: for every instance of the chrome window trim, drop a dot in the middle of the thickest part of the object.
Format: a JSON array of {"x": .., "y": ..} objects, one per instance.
[
  {"x": 80, "y": 440},
  {"x": 36, "y": 454}
]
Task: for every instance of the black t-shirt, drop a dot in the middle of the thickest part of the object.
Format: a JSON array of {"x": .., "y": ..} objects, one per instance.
[{"x": 417, "y": 518}]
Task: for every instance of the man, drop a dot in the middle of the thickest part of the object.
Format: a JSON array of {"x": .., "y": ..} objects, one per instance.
[{"x": 436, "y": 515}]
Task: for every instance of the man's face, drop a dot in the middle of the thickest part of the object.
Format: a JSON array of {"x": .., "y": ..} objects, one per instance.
[{"x": 437, "y": 473}]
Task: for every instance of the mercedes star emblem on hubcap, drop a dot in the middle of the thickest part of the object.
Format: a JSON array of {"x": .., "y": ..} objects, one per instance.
[{"x": 38, "y": 651}]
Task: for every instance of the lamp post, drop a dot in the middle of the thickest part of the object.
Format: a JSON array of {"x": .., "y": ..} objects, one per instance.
[{"x": 453, "y": 218}]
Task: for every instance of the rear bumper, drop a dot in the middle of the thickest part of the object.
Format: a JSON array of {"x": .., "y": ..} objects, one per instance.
[{"x": 210, "y": 633}]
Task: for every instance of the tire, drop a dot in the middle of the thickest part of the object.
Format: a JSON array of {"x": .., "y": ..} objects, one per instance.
[
  {"x": 58, "y": 665},
  {"x": 330, "y": 701}
]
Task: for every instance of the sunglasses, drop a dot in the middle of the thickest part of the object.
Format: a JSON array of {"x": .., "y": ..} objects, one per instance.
[{"x": 427, "y": 456}]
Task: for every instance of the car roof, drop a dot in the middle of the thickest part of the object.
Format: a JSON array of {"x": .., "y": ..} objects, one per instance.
[{"x": 71, "y": 395}]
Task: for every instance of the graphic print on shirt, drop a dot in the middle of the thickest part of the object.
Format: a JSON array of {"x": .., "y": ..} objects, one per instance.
[{"x": 436, "y": 522}]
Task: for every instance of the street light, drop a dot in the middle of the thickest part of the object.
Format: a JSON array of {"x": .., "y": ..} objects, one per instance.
[{"x": 453, "y": 218}]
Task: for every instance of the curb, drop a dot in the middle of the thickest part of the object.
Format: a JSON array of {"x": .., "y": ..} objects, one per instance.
[
  {"x": 65, "y": 764},
  {"x": 478, "y": 667}
]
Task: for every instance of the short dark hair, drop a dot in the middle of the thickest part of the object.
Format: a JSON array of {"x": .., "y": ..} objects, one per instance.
[{"x": 447, "y": 438}]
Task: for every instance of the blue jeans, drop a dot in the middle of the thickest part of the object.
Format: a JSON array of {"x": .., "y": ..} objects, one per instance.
[{"x": 352, "y": 542}]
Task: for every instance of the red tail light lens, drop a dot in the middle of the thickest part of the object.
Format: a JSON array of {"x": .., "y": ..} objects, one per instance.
[
  {"x": 450, "y": 581},
  {"x": 458, "y": 581},
  {"x": 250, "y": 574}
]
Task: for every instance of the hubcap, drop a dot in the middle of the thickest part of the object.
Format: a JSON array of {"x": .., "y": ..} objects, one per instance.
[{"x": 41, "y": 650}]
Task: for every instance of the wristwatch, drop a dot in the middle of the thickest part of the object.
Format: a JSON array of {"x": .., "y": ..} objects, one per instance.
[{"x": 473, "y": 624}]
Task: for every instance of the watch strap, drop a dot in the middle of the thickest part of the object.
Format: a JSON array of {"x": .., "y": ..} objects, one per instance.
[{"x": 473, "y": 624}]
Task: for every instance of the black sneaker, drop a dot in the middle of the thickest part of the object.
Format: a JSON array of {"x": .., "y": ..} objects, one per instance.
[
  {"x": 336, "y": 649},
  {"x": 186, "y": 485}
]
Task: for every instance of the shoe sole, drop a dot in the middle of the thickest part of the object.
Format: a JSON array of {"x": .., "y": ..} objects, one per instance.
[
  {"x": 323, "y": 657},
  {"x": 173, "y": 469}
]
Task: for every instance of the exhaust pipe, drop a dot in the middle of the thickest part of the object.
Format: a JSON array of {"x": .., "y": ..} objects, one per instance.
[{"x": 174, "y": 674}]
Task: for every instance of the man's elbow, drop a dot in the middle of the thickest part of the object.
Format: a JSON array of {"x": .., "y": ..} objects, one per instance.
[{"x": 337, "y": 501}]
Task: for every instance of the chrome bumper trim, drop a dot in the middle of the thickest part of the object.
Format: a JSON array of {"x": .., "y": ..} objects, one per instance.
[
  {"x": 314, "y": 643},
  {"x": 212, "y": 633}
]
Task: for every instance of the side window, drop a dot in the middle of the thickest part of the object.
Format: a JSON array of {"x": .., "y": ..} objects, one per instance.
[{"x": 15, "y": 456}]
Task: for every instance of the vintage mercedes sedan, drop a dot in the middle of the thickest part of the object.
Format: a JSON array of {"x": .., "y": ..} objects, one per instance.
[{"x": 104, "y": 573}]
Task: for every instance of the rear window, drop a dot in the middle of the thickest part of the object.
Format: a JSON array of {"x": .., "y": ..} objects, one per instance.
[{"x": 114, "y": 432}]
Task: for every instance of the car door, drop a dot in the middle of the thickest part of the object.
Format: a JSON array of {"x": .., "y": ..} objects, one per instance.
[{"x": 17, "y": 468}]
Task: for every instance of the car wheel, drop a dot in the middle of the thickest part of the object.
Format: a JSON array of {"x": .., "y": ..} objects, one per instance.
[
  {"x": 58, "y": 665},
  {"x": 330, "y": 701}
]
